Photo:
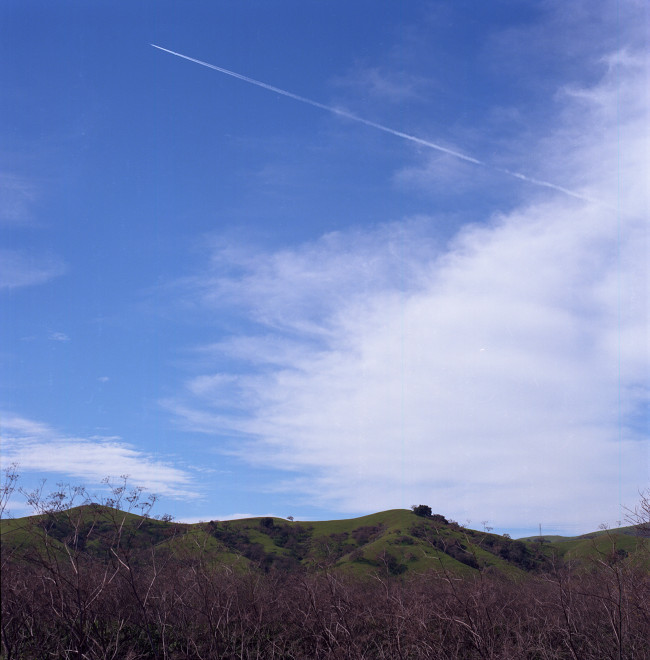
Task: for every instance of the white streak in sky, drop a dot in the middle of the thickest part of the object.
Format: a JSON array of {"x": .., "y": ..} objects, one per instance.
[{"x": 381, "y": 127}]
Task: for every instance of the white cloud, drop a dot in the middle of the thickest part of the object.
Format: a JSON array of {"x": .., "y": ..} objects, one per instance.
[
  {"x": 59, "y": 336},
  {"x": 19, "y": 268},
  {"x": 501, "y": 378},
  {"x": 36, "y": 447}
]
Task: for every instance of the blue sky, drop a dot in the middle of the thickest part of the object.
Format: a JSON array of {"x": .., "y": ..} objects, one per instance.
[{"x": 251, "y": 305}]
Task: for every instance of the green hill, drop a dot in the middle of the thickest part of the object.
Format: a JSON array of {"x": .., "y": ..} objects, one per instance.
[{"x": 395, "y": 542}]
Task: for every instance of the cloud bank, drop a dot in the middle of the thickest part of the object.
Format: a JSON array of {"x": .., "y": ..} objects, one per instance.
[{"x": 503, "y": 376}]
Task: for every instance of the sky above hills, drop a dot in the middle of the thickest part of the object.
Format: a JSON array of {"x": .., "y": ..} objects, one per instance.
[{"x": 253, "y": 304}]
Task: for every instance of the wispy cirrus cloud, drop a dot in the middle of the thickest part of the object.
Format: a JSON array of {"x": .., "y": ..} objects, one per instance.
[
  {"x": 298, "y": 289},
  {"x": 22, "y": 268},
  {"x": 17, "y": 195},
  {"x": 500, "y": 377},
  {"x": 383, "y": 84},
  {"x": 59, "y": 336},
  {"x": 37, "y": 447}
]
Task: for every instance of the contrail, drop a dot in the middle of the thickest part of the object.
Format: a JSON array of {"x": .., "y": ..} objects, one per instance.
[
  {"x": 322, "y": 106},
  {"x": 380, "y": 127}
]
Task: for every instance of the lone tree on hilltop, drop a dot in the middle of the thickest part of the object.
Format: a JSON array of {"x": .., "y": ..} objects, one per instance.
[{"x": 421, "y": 510}]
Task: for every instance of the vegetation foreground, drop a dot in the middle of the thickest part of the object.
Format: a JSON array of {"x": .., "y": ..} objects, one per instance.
[{"x": 95, "y": 581}]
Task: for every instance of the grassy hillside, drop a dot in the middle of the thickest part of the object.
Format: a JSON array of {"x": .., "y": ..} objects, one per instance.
[
  {"x": 91, "y": 529},
  {"x": 392, "y": 543}
]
